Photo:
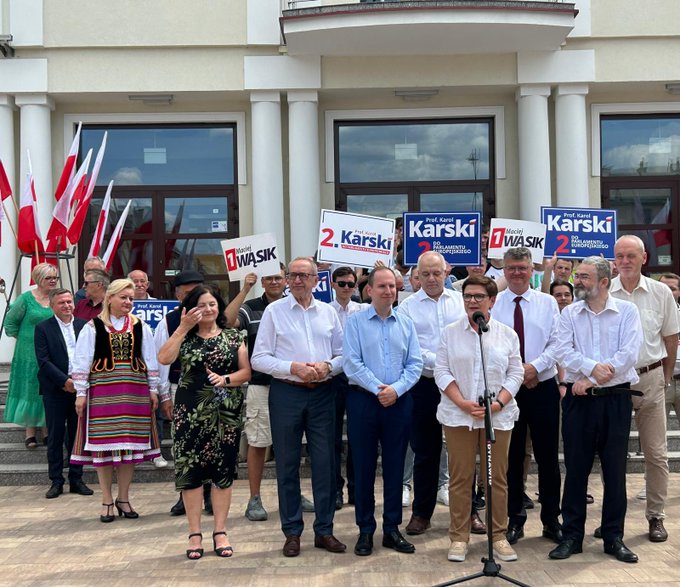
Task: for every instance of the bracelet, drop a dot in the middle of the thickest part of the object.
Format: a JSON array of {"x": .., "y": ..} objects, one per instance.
[
  {"x": 500, "y": 403},
  {"x": 562, "y": 384}
]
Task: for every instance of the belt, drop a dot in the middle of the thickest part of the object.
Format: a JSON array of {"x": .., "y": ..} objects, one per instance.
[
  {"x": 649, "y": 367},
  {"x": 306, "y": 385},
  {"x": 602, "y": 391}
]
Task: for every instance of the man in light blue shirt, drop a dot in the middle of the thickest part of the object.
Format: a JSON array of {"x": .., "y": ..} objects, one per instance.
[{"x": 382, "y": 361}]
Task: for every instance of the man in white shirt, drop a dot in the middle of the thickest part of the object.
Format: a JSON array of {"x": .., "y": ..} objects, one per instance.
[
  {"x": 432, "y": 308},
  {"x": 141, "y": 281},
  {"x": 659, "y": 316},
  {"x": 534, "y": 316},
  {"x": 299, "y": 343},
  {"x": 598, "y": 344}
]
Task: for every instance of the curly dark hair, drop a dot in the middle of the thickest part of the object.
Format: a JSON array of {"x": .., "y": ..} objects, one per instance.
[{"x": 191, "y": 301}]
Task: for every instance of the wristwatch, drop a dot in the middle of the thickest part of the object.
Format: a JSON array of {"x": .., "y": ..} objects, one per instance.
[
  {"x": 227, "y": 380},
  {"x": 330, "y": 366},
  {"x": 500, "y": 403}
]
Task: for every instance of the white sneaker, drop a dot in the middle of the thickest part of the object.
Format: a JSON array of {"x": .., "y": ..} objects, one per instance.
[
  {"x": 503, "y": 550},
  {"x": 443, "y": 495},
  {"x": 457, "y": 552},
  {"x": 642, "y": 494},
  {"x": 160, "y": 463},
  {"x": 405, "y": 496}
]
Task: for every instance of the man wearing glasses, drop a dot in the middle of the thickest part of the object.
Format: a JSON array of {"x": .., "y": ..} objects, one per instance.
[
  {"x": 299, "y": 343},
  {"x": 95, "y": 284},
  {"x": 246, "y": 315},
  {"x": 534, "y": 316}
]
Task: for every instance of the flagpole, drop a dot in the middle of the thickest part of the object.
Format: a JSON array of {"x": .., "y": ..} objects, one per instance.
[
  {"x": 14, "y": 232},
  {"x": 37, "y": 253}
]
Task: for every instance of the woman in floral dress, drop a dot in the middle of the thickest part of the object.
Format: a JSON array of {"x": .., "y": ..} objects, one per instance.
[{"x": 207, "y": 413}]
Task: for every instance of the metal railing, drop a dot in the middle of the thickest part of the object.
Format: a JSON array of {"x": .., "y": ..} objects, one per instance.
[{"x": 297, "y": 4}]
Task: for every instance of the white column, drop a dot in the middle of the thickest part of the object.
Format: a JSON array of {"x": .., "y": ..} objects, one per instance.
[
  {"x": 571, "y": 146},
  {"x": 534, "y": 150},
  {"x": 36, "y": 137},
  {"x": 267, "y": 165},
  {"x": 8, "y": 258},
  {"x": 303, "y": 170}
]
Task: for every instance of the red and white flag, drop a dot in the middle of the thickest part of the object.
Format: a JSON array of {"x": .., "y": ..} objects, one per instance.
[
  {"x": 56, "y": 235},
  {"x": 5, "y": 188},
  {"x": 28, "y": 231},
  {"x": 98, "y": 237},
  {"x": 92, "y": 182},
  {"x": 115, "y": 238},
  {"x": 69, "y": 166}
]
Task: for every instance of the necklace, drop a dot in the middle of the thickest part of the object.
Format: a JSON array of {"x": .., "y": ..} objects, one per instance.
[{"x": 126, "y": 324}]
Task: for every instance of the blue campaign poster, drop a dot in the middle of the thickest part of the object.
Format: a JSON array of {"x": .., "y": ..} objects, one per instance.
[
  {"x": 575, "y": 233},
  {"x": 456, "y": 235},
  {"x": 153, "y": 311},
  {"x": 323, "y": 290}
]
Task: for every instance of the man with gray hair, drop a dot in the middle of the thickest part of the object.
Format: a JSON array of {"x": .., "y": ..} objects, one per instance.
[
  {"x": 431, "y": 308},
  {"x": 598, "y": 342},
  {"x": 95, "y": 284},
  {"x": 90, "y": 263},
  {"x": 659, "y": 316}
]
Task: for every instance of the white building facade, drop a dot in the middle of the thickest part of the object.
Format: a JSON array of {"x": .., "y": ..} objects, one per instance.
[{"x": 235, "y": 117}]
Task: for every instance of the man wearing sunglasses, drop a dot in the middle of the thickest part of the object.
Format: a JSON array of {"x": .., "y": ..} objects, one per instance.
[
  {"x": 344, "y": 285},
  {"x": 95, "y": 284}
]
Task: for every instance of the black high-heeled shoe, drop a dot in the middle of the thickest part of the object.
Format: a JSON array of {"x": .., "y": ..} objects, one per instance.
[
  {"x": 198, "y": 551},
  {"x": 109, "y": 516},
  {"x": 222, "y": 551},
  {"x": 132, "y": 514}
]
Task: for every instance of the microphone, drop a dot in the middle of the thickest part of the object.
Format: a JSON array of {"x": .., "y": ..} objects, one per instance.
[{"x": 478, "y": 318}]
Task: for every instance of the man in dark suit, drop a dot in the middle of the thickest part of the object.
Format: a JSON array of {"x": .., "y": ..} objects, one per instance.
[{"x": 55, "y": 343}]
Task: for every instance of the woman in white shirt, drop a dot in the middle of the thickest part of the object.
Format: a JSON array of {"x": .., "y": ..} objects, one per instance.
[{"x": 458, "y": 373}]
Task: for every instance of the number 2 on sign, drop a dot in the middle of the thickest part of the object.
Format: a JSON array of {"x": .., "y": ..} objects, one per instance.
[
  {"x": 424, "y": 246},
  {"x": 563, "y": 239},
  {"x": 327, "y": 241}
]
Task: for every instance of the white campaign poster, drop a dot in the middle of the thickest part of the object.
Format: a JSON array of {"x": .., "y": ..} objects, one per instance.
[
  {"x": 355, "y": 239},
  {"x": 506, "y": 234},
  {"x": 251, "y": 254}
]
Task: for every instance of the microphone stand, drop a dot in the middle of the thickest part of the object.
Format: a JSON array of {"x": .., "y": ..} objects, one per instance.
[{"x": 491, "y": 567}]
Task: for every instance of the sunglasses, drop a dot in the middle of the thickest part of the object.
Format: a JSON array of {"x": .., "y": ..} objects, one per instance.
[{"x": 349, "y": 284}]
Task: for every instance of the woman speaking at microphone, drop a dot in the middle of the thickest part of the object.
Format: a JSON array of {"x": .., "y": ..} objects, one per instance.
[{"x": 458, "y": 373}]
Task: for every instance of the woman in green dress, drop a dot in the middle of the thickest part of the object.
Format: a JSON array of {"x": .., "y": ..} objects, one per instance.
[
  {"x": 24, "y": 404},
  {"x": 207, "y": 412}
]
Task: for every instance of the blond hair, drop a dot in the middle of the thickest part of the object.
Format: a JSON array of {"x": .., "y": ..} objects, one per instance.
[
  {"x": 117, "y": 286},
  {"x": 42, "y": 270}
]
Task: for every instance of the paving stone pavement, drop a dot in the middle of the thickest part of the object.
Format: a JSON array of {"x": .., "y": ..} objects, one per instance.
[{"x": 60, "y": 542}]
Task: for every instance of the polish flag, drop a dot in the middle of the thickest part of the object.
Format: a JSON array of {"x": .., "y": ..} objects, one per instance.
[
  {"x": 92, "y": 183},
  {"x": 56, "y": 235},
  {"x": 663, "y": 236},
  {"x": 5, "y": 189},
  {"x": 115, "y": 238},
  {"x": 69, "y": 166},
  {"x": 98, "y": 237},
  {"x": 28, "y": 230}
]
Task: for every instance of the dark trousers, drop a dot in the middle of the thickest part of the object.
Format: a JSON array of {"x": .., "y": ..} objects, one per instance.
[
  {"x": 539, "y": 410},
  {"x": 341, "y": 385},
  {"x": 61, "y": 420},
  {"x": 426, "y": 442},
  {"x": 590, "y": 425},
  {"x": 370, "y": 424},
  {"x": 294, "y": 410}
]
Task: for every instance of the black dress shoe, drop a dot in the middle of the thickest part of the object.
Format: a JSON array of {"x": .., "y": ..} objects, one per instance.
[
  {"x": 80, "y": 488},
  {"x": 395, "y": 540},
  {"x": 338, "y": 501},
  {"x": 621, "y": 552},
  {"x": 565, "y": 549},
  {"x": 598, "y": 532},
  {"x": 527, "y": 502},
  {"x": 553, "y": 531},
  {"x": 178, "y": 508},
  {"x": 514, "y": 533},
  {"x": 364, "y": 545},
  {"x": 55, "y": 490}
]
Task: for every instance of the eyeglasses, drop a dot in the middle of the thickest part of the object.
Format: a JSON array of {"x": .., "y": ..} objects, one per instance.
[
  {"x": 52, "y": 277},
  {"x": 273, "y": 278},
  {"x": 582, "y": 276},
  {"x": 476, "y": 297},
  {"x": 349, "y": 284},
  {"x": 86, "y": 283},
  {"x": 520, "y": 269},
  {"x": 302, "y": 276}
]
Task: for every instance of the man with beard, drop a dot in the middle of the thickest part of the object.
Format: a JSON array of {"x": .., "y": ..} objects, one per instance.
[{"x": 599, "y": 340}]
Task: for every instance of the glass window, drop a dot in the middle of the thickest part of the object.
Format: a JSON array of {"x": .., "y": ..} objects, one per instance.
[
  {"x": 413, "y": 151},
  {"x": 163, "y": 154},
  {"x": 452, "y": 202},
  {"x": 641, "y": 205},
  {"x": 385, "y": 205},
  {"x": 196, "y": 215},
  {"x": 640, "y": 146}
]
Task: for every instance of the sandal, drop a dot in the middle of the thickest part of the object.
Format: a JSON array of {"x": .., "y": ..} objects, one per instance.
[
  {"x": 131, "y": 514},
  {"x": 109, "y": 516},
  {"x": 222, "y": 551},
  {"x": 195, "y": 551},
  {"x": 31, "y": 442}
]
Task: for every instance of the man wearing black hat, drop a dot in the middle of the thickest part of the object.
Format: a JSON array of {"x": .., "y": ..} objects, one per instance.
[{"x": 185, "y": 282}]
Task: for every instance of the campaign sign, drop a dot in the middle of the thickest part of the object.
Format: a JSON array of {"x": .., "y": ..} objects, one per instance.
[
  {"x": 251, "y": 254},
  {"x": 456, "y": 235},
  {"x": 356, "y": 240},
  {"x": 506, "y": 234},
  {"x": 153, "y": 311},
  {"x": 322, "y": 291},
  {"x": 575, "y": 233}
]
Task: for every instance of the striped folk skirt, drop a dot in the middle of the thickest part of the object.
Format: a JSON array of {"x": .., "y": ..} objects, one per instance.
[{"x": 118, "y": 427}]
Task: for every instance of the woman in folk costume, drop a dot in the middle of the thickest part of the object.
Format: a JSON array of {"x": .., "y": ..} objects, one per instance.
[{"x": 116, "y": 377}]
